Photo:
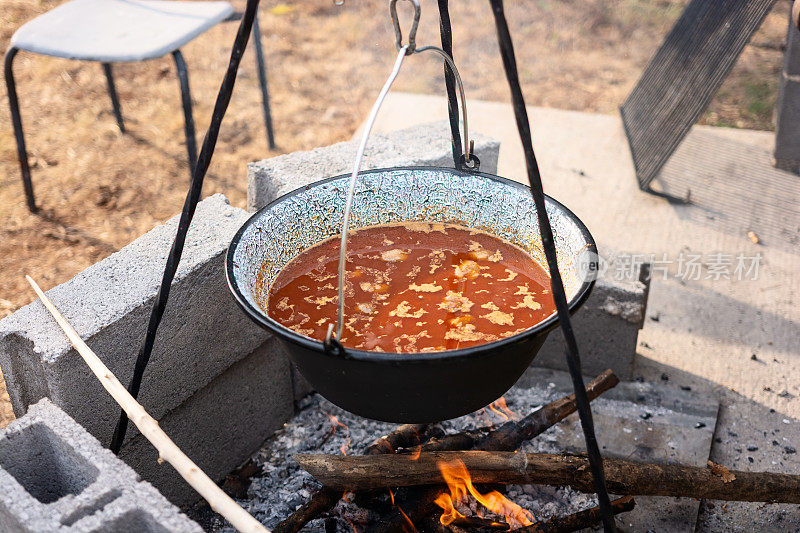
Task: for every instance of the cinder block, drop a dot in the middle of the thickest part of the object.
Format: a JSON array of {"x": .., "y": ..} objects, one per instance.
[
  {"x": 203, "y": 331},
  {"x": 606, "y": 328},
  {"x": 54, "y": 475},
  {"x": 142, "y": 510},
  {"x": 424, "y": 145},
  {"x": 221, "y": 425}
]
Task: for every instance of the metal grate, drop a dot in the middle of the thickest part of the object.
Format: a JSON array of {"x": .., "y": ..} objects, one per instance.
[{"x": 683, "y": 76}]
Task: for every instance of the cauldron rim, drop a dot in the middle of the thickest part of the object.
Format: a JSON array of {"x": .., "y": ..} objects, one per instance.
[{"x": 262, "y": 319}]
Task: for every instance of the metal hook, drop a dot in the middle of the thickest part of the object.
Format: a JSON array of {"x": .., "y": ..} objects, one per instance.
[
  {"x": 468, "y": 160},
  {"x": 398, "y": 33}
]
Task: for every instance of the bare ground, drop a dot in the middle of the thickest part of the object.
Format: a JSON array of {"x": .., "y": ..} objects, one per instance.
[{"x": 99, "y": 189}]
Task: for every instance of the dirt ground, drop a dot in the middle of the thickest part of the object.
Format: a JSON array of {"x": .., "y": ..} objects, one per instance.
[{"x": 99, "y": 189}]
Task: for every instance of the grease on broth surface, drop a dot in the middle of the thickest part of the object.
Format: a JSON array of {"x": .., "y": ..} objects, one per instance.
[{"x": 414, "y": 287}]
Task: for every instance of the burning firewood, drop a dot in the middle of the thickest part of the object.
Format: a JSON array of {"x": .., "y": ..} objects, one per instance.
[
  {"x": 325, "y": 499},
  {"x": 512, "y": 435},
  {"x": 403, "y": 437},
  {"x": 622, "y": 477},
  {"x": 509, "y": 436},
  {"x": 419, "y": 502}
]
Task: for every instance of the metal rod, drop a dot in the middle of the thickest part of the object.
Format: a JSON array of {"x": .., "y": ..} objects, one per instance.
[
  {"x": 112, "y": 93},
  {"x": 262, "y": 81},
  {"x": 446, "y": 34},
  {"x": 189, "y": 206},
  {"x": 556, "y": 283},
  {"x": 188, "y": 118},
  {"x": 19, "y": 135}
]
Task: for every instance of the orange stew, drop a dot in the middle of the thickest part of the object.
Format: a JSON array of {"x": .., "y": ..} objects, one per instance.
[{"x": 414, "y": 287}]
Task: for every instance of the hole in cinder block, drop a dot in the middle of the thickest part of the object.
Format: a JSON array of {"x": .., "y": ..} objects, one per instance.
[
  {"x": 138, "y": 520},
  {"x": 92, "y": 508},
  {"x": 44, "y": 464}
]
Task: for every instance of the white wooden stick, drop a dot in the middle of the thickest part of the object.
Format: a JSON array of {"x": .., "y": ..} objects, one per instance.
[{"x": 167, "y": 450}]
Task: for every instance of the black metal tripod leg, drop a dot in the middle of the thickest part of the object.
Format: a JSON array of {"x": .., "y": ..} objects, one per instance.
[
  {"x": 188, "y": 118},
  {"x": 262, "y": 80},
  {"x": 112, "y": 93},
  {"x": 16, "y": 120}
]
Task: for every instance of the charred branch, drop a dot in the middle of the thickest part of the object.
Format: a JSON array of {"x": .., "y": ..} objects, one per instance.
[
  {"x": 580, "y": 520},
  {"x": 404, "y": 436},
  {"x": 512, "y": 435},
  {"x": 324, "y": 500}
]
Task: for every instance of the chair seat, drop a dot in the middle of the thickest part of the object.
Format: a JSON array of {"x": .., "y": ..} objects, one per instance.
[{"x": 118, "y": 30}]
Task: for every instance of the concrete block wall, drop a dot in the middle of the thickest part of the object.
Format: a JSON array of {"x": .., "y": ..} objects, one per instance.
[
  {"x": 109, "y": 304},
  {"x": 217, "y": 383},
  {"x": 424, "y": 145},
  {"x": 56, "y": 477},
  {"x": 224, "y": 423}
]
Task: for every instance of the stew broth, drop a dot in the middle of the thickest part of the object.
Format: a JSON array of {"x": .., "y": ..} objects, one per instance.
[{"x": 414, "y": 287}]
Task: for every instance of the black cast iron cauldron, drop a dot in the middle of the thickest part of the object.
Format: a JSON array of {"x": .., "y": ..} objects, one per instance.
[{"x": 409, "y": 387}]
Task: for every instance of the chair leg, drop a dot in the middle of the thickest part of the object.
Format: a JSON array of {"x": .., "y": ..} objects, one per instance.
[
  {"x": 188, "y": 119},
  {"x": 262, "y": 80},
  {"x": 112, "y": 92},
  {"x": 16, "y": 119}
]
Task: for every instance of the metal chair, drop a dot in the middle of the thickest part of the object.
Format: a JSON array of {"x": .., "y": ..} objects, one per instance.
[{"x": 117, "y": 31}]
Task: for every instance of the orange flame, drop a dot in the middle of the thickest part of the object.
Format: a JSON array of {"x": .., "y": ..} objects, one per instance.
[
  {"x": 408, "y": 527},
  {"x": 500, "y": 407},
  {"x": 416, "y": 453},
  {"x": 460, "y": 484},
  {"x": 335, "y": 424},
  {"x": 352, "y": 525}
]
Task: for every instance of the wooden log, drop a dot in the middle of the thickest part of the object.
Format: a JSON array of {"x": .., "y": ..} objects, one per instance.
[
  {"x": 622, "y": 477},
  {"x": 325, "y": 499},
  {"x": 418, "y": 502},
  {"x": 321, "y": 502},
  {"x": 580, "y": 520},
  {"x": 511, "y": 435},
  {"x": 403, "y": 436},
  {"x": 457, "y": 441}
]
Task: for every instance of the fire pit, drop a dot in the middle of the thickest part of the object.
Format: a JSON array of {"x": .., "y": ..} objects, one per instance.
[{"x": 279, "y": 486}]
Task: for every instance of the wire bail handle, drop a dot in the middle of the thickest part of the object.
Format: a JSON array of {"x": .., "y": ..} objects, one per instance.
[
  {"x": 468, "y": 160},
  {"x": 398, "y": 33}
]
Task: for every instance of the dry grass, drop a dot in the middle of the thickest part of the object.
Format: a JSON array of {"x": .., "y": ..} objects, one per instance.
[{"x": 99, "y": 189}]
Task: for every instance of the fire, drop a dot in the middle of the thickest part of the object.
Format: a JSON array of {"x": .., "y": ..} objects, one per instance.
[
  {"x": 500, "y": 407},
  {"x": 460, "y": 484},
  {"x": 408, "y": 527},
  {"x": 416, "y": 453},
  {"x": 335, "y": 424},
  {"x": 352, "y": 525}
]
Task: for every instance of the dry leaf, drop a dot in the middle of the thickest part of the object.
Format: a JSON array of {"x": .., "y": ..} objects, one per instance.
[{"x": 721, "y": 471}]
